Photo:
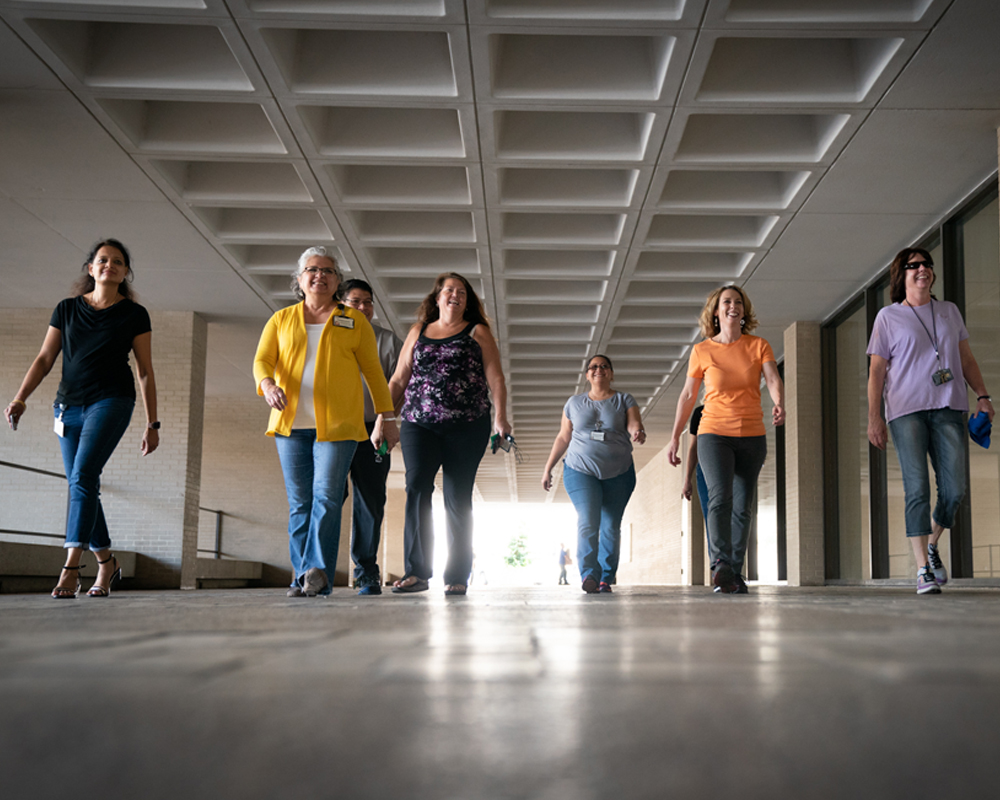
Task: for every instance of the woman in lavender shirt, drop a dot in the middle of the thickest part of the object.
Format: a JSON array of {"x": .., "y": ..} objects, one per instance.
[
  {"x": 921, "y": 362},
  {"x": 448, "y": 362}
]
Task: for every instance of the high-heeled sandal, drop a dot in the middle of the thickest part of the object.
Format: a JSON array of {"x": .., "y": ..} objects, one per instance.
[
  {"x": 64, "y": 593},
  {"x": 99, "y": 591}
]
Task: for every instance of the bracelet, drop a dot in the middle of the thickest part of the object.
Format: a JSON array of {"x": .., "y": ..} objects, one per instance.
[
  {"x": 15, "y": 400},
  {"x": 388, "y": 419},
  {"x": 985, "y": 397}
]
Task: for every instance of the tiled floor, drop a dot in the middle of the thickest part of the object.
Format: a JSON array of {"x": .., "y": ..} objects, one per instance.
[{"x": 529, "y": 693}]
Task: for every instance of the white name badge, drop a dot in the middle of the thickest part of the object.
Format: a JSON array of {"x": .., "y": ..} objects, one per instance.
[
  {"x": 343, "y": 322},
  {"x": 597, "y": 436},
  {"x": 59, "y": 427}
]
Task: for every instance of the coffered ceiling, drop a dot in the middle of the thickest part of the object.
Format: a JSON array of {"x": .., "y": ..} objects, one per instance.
[{"x": 594, "y": 167}]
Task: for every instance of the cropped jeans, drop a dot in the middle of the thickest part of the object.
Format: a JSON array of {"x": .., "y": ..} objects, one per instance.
[
  {"x": 315, "y": 479},
  {"x": 90, "y": 435},
  {"x": 600, "y": 505},
  {"x": 940, "y": 434},
  {"x": 731, "y": 465}
]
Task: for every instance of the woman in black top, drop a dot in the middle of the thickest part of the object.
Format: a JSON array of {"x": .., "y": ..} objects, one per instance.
[{"x": 95, "y": 330}]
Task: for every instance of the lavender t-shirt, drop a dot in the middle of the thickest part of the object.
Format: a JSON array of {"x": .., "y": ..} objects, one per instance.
[{"x": 900, "y": 339}]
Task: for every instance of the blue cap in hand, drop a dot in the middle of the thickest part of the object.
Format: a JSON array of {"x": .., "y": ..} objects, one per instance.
[{"x": 980, "y": 429}]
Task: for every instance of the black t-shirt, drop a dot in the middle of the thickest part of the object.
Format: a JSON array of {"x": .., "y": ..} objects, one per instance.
[
  {"x": 696, "y": 420},
  {"x": 95, "y": 348}
]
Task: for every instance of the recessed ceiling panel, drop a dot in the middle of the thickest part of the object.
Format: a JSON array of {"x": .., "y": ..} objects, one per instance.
[
  {"x": 704, "y": 189},
  {"x": 567, "y": 187},
  {"x": 826, "y": 11},
  {"x": 669, "y": 292},
  {"x": 580, "y": 68},
  {"x": 609, "y": 10},
  {"x": 549, "y": 350},
  {"x": 426, "y": 260},
  {"x": 541, "y": 263},
  {"x": 415, "y": 289},
  {"x": 685, "y": 230},
  {"x": 389, "y": 132},
  {"x": 572, "y": 135},
  {"x": 180, "y": 126},
  {"x": 759, "y": 138},
  {"x": 366, "y": 63},
  {"x": 125, "y": 55},
  {"x": 552, "y": 312},
  {"x": 369, "y": 183},
  {"x": 250, "y": 224},
  {"x": 799, "y": 70},
  {"x": 526, "y": 228},
  {"x": 592, "y": 291},
  {"x": 386, "y": 8},
  {"x": 276, "y": 259},
  {"x": 415, "y": 226},
  {"x": 679, "y": 264},
  {"x": 551, "y": 332},
  {"x": 220, "y": 181}
]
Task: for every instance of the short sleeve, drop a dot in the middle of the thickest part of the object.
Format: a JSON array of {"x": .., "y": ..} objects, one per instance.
[
  {"x": 695, "y": 368},
  {"x": 766, "y": 353},
  {"x": 628, "y": 401},
  {"x": 59, "y": 316},
  {"x": 963, "y": 332},
  {"x": 879, "y": 344},
  {"x": 140, "y": 321}
]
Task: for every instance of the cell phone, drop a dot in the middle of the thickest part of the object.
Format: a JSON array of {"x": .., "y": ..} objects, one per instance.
[
  {"x": 501, "y": 442},
  {"x": 382, "y": 448}
]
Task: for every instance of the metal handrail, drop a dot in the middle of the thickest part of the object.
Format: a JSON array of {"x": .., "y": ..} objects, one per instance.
[
  {"x": 32, "y": 469},
  {"x": 218, "y": 531}
]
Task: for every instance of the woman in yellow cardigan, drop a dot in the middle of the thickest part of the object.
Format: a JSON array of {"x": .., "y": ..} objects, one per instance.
[{"x": 307, "y": 369}]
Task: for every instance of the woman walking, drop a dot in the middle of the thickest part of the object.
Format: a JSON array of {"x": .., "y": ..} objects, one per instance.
[{"x": 95, "y": 330}]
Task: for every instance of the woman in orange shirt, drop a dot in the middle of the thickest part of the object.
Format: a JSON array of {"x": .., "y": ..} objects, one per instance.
[{"x": 732, "y": 443}]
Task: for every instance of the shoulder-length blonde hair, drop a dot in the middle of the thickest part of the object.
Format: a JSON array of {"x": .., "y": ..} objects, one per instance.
[{"x": 709, "y": 319}]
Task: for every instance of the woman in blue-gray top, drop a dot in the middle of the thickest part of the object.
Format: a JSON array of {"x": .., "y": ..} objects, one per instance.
[{"x": 596, "y": 437}]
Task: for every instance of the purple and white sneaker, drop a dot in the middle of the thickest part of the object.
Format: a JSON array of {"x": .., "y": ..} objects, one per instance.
[
  {"x": 937, "y": 566},
  {"x": 926, "y": 584}
]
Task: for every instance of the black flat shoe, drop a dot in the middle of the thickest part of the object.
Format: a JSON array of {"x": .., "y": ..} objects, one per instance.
[{"x": 418, "y": 585}]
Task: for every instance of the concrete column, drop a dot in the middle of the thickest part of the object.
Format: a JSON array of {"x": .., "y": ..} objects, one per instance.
[{"x": 804, "y": 455}]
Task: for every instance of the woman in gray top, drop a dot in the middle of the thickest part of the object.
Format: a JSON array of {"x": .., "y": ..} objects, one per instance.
[{"x": 596, "y": 437}]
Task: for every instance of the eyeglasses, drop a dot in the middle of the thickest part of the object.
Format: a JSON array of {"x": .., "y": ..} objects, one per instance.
[
  {"x": 601, "y": 367},
  {"x": 918, "y": 264},
  {"x": 320, "y": 271}
]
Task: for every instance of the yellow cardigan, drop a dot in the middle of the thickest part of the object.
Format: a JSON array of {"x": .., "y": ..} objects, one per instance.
[{"x": 337, "y": 394}]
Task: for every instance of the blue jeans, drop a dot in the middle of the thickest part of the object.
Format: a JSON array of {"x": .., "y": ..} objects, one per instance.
[
  {"x": 90, "y": 436},
  {"x": 731, "y": 465},
  {"x": 315, "y": 478},
  {"x": 940, "y": 434},
  {"x": 599, "y": 506}
]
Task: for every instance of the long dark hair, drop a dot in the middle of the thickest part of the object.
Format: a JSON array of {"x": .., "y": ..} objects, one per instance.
[
  {"x": 474, "y": 312},
  {"x": 86, "y": 283},
  {"x": 897, "y": 272}
]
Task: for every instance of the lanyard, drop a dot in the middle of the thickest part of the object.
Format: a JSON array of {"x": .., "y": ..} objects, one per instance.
[{"x": 934, "y": 341}]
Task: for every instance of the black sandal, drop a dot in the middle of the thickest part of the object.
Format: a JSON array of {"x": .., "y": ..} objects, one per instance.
[
  {"x": 62, "y": 593},
  {"x": 116, "y": 576},
  {"x": 418, "y": 585}
]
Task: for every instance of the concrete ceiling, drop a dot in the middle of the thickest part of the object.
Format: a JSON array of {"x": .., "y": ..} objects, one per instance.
[{"x": 595, "y": 167}]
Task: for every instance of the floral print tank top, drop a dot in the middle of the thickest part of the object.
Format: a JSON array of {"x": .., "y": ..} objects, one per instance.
[{"x": 448, "y": 380}]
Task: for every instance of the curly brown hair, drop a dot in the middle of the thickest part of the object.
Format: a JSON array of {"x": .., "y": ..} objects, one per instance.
[
  {"x": 708, "y": 320},
  {"x": 897, "y": 272},
  {"x": 474, "y": 311}
]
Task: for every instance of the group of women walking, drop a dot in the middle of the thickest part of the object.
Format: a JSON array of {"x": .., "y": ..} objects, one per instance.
[{"x": 320, "y": 361}]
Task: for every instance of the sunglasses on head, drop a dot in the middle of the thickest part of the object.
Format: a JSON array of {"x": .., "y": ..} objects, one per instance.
[{"x": 918, "y": 264}]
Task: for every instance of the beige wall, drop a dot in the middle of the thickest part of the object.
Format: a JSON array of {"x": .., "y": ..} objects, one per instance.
[{"x": 151, "y": 503}]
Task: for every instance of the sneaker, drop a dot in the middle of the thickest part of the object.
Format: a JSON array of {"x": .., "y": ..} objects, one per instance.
[
  {"x": 926, "y": 584},
  {"x": 724, "y": 577},
  {"x": 605, "y": 588},
  {"x": 741, "y": 585},
  {"x": 368, "y": 584},
  {"x": 314, "y": 582},
  {"x": 295, "y": 591},
  {"x": 590, "y": 585},
  {"x": 936, "y": 565}
]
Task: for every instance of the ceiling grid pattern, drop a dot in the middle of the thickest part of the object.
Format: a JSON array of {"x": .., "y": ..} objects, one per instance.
[{"x": 594, "y": 167}]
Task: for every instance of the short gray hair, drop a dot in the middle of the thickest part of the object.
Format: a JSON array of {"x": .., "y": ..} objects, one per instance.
[{"x": 300, "y": 268}]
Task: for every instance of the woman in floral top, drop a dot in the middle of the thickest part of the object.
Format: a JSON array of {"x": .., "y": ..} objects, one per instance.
[{"x": 449, "y": 365}]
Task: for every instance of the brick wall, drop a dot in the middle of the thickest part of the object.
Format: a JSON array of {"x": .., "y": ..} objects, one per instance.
[{"x": 151, "y": 503}]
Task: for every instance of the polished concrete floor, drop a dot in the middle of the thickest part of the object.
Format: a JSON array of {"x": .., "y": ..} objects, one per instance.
[{"x": 653, "y": 692}]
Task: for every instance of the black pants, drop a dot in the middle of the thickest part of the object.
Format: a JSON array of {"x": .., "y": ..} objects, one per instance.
[
  {"x": 368, "y": 478},
  {"x": 731, "y": 465},
  {"x": 457, "y": 450}
]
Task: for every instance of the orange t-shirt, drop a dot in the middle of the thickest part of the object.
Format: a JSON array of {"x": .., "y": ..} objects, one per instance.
[{"x": 732, "y": 384}]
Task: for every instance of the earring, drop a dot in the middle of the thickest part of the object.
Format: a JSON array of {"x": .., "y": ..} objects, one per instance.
[
  {"x": 743, "y": 322},
  {"x": 716, "y": 322}
]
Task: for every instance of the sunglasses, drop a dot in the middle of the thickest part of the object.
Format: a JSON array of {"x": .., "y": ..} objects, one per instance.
[{"x": 918, "y": 264}]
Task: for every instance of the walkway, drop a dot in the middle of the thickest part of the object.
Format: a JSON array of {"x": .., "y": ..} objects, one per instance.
[{"x": 654, "y": 692}]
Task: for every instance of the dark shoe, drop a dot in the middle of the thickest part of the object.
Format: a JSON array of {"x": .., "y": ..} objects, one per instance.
[
  {"x": 314, "y": 582},
  {"x": 101, "y": 591},
  {"x": 724, "y": 577},
  {"x": 590, "y": 585},
  {"x": 605, "y": 588},
  {"x": 64, "y": 593},
  {"x": 368, "y": 585},
  {"x": 415, "y": 585},
  {"x": 295, "y": 591},
  {"x": 741, "y": 585},
  {"x": 455, "y": 589}
]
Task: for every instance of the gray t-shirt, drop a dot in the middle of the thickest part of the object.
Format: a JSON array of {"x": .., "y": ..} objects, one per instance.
[
  {"x": 389, "y": 345},
  {"x": 601, "y": 445}
]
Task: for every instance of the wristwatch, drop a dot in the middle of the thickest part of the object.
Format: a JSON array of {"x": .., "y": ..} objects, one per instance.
[{"x": 154, "y": 425}]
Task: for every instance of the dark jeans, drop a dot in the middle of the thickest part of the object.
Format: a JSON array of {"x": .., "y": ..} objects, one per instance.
[
  {"x": 457, "y": 450},
  {"x": 703, "y": 499},
  {"x": 90, "y": 436},
  {"x": 731, "y": 465},
  {"x": 368, "y": 477}
]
